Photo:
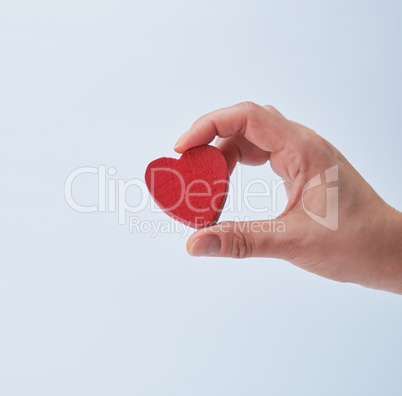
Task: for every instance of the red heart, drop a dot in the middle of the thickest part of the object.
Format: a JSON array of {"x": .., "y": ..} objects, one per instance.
[{"x": 192, "y": 189}]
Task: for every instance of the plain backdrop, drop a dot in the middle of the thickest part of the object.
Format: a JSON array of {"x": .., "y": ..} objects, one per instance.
[{"x": 88, "y": 307}]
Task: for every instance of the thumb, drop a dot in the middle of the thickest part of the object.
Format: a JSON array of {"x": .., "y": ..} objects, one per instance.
[{"x": 262, "y": 238}]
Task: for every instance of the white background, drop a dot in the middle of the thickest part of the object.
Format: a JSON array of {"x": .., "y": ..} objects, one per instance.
[{"x": 88, "y": 308}]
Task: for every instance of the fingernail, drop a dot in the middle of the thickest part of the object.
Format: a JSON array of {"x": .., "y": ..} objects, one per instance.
[
  {"x": 179, "y": 141},
  {"x": 206, "y": 246}
]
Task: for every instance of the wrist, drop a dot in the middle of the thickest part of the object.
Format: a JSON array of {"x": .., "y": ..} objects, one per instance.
[{"x": 391, "y": 267}]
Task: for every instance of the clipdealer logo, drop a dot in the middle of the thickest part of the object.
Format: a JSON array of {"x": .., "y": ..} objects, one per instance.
[
  {"x": 112, "y": 197},
  {"x": 330, "y": 220}
]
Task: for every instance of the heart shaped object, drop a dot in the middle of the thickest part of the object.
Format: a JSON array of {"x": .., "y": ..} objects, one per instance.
[{"x": 192, "y": 189}]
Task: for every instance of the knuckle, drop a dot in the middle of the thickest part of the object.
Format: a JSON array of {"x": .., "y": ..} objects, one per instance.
[
  {"x": 242, "y": 246},
  {"x": 249, "y": 106},
  {"x": 271, "y": 108}
]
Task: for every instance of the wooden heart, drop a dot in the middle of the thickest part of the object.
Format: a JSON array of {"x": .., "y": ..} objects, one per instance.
[{"x": 192, "y": 189}]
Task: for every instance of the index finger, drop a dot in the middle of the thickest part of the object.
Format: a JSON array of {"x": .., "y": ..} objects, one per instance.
[{"x": 263, "y": 126}]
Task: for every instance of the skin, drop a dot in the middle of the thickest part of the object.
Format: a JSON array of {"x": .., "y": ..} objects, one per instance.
[{"x": 366, "y": 247}]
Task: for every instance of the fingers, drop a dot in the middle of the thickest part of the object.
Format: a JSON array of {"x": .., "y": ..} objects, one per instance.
[
  {"x": 238, "y": 149},
  {"x": 263, "y": 238},
  {"x": 264, "y": 126}
]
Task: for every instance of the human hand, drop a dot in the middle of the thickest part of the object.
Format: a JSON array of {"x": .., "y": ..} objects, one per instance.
[{"x": 365, "y": 248}]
